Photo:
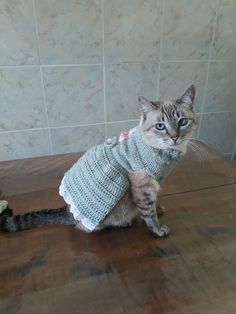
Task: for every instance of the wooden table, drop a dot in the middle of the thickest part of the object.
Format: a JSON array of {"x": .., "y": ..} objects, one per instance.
[{"x": 61, "y": 270}]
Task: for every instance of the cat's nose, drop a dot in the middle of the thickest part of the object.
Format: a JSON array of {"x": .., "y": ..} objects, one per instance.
[{"x": 174, "y": 138}]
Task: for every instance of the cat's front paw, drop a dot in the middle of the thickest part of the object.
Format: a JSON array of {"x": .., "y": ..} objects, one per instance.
[{"x": 161, "y": 231}]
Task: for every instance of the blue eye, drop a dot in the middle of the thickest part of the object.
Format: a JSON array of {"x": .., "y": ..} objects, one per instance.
[
  {"x": 183, "y": 122},
  {"x": 160, "y": 126}
]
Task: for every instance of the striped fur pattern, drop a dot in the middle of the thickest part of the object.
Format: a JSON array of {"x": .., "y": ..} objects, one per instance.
[
  {"x": 12, "y": 223},
  {"x": 164, "y": 124},
  {"x": 179, "y": 122},
  {"x": 170, "y": 114},
  {"x": 144, "y": 191}
]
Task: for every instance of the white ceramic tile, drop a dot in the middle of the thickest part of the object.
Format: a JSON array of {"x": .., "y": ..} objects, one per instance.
[
  {"x": 74, "y": 95},
  {"x": 218, "y": 130},
  {"x": 17, "y": 33},
  {"x": 221, "y": 91},
  {"x": 176, "y": 77},
  {"x": 114, "y": 129},
  {"x": 21, "y": 99},
  {"x": 123, "y": 84},
  {"x": 69, "y": 31},
  {"x": 225, "y": 40},
  {"x": 188, "y": 29},
  {"x": 132, "y": 30},
  {"x": 76, "y": 139},
  {"x": 24, "y": 144},
  {"x": 196, "y": 131}
]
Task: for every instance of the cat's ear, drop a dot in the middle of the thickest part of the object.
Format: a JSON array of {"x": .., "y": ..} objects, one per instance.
[
  {"x": 188, "y": 97},
  {"x": 145, "y": 105}
]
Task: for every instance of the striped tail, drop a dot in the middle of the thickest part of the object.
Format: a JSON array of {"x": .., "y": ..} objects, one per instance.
[{"x": 53, "y": 216}]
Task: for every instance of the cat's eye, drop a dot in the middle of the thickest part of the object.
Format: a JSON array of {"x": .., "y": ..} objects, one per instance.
[
  {"x": 160, "y": 126},
  {"x": 183, "y": 122}
]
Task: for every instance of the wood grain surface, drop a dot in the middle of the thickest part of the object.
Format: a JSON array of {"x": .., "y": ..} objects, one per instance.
[{"x": 60, "y": 270}]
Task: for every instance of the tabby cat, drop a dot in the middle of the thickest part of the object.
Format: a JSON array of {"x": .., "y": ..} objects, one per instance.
[{"x": 164, "y": 126}]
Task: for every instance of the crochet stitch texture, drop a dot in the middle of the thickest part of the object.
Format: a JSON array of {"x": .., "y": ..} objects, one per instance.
[{"x": 99, "y": 179}]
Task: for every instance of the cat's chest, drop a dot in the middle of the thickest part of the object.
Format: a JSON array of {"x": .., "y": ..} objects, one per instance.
[
  {"x": 160, "y": 167},
  {"x": 134, "y": 155}
]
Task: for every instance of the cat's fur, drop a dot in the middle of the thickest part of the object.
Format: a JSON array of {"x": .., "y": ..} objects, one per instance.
[{"x": 142, "y": 196}]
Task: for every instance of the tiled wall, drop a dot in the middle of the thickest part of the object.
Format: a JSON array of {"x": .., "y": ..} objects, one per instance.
[{"x": 70, "y": 70}]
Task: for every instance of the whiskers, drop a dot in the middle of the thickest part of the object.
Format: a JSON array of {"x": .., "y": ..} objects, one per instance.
[{"x": 201, "y": 152}]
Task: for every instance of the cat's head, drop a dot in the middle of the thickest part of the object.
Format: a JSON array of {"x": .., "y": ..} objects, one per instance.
[{"x": 168, "y": 124}]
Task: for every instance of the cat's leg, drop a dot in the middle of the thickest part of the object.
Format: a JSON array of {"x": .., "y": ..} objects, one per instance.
[
  {"x": 144, "y": 191},
  {"x": 122, "y": 215},
  {"x": 161, "y": 210}
]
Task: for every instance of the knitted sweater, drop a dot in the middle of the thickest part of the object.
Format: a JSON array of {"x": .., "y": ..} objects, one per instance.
[{"x": 99, "y": 179}]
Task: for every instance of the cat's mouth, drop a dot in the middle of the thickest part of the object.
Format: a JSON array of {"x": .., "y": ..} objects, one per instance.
[{"x": 175, "y": 144}]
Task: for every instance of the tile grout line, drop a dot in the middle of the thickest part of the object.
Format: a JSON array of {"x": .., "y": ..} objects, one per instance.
[
  {"x": 220, "y": 111},
  {"x": 203, "y": 100},
  {"x": 234, "y": 152},
  {"x": 45, "y": 106},
  {"x": 208, "y": 67},
  {"x": 129, "y": 62},
  {"x": 158, "y": 80},
  {"x": 160, "y": 51},
  {"x": 104, "y": 69},
  {"x": 20, "y": 65},
  {"x": 50, "y": 65},
  {"x": 23, "y": 130},
  {"x": 41, "y": 78},
  {"x": 121, "y": 121},
  {"x": 69, "y": 65},
  {"x": 101, "y": 123},
  {"x": 69, "y": 126},
  {"x": 197, "y": 60}
]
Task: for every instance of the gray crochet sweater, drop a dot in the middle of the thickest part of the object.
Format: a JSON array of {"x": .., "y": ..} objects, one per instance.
[{"x": 99, "y": 179}]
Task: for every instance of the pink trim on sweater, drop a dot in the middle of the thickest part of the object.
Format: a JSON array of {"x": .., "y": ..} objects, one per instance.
[{"x": 126, "y": 134}]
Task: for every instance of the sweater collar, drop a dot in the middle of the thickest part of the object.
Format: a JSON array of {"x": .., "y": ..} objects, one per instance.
[{"x": 169, "y": 153}]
